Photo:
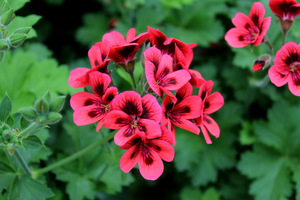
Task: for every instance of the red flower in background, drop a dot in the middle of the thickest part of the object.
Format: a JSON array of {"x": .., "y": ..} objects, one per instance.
[
  {"x": 167, "y": 45},
  {"x": 148, "y": 154},
  {"x": 98, "y": 55},
  {"x": 160, "y": 75},
  {"x": 134, "y": 116},
  {"x": 249, "y": 30},
  {"x": 286, "y": 11},
  {"x": 210, "y": 104},
  {"x": 89, "y": 108},
  {"x": 123, "y": 50},
  {"x": 286, "y": 68},
  {"x": 178, "y": 114}
]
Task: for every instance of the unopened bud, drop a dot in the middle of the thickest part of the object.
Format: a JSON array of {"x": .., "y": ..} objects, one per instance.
[
  {"x": 41, "y": 119},
  {"x": 22, "y": 30},
  {"x": 28, "y": 113},
  {"x": 53, "y": 117},
  {"x": 6, "y": 134},
  {"x": 7, "y": 17},
  {"x": 17, "y": 39},
  {"x": 47, "y": 96},
  {"x": 261, "y": 62},
  {"x": 3, "y": 45},
  {"x": 57, "y": 103},
  {"x": 41, "y": 106}
]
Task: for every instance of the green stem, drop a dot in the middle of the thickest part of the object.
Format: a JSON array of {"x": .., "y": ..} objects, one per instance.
[
  {"x": 22, "y": 162},
  {"x": 71, "y": 158},
  {"x": 270, "y": 46},
  {"x": 29, "y": 129},
  {"x": 284, "y": 37},
  {"x": 133, "y": 80}
]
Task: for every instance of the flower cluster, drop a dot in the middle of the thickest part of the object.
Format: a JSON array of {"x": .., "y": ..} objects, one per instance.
[
  {"x": 145, "y": 119},
  {"x": 252, "y": 31}
]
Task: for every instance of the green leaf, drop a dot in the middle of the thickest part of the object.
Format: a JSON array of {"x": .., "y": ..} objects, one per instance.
[
  {"x": 270, "y": 171},
  {"x": 27, "y": 21},
  {"x": 26, "y": 188},
  {"x": 7, "y": 175},
  {"x": 200, "y": 160},
  {"x": 188, "y": 193},
  {"x": 17, "y": 4},
  {"x": 32, "y": 142},
  {"x": 33, "y": 79},
  {"x": 5, "y": 108}
]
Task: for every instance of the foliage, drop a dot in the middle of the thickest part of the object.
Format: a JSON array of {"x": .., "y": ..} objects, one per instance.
[{"x": 255, "y": 157}]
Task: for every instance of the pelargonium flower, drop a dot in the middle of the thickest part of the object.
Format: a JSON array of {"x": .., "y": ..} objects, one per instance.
[
  {"x": 285, "y": 9},
  {"x": 98, "y": 55},
  {"x": 160, "y": 75},
  {"x": 148, "y": 154},
  {"x": 134, "y": 115},
  {"x": 90, "y": 108},
  {"x": 286, "y": 68},
  {"x": 249, "y": 30},
  {"x": 178, "y": 114},
  {"x": 123, "y": 50},
  {"x": 167, "y": 45},
  {"x": 210, "y": 103}
]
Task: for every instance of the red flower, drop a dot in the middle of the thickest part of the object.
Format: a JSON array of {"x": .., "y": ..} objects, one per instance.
[
  {"x": 286, "y": 68},
  {"x": 249, "y": 30},
  {"x": 148, "y": 154},
  {"x": 89, "y": 108},
  {"x": 286, "y": 11},
  {"x": 123, "y": 50},
  {"x": 134, "y": 115},
  {"x": 178, "y": 114},
  {"x": 210, "y": 103},
  {"x": 261, "y": 62},
  {"x": 160, "y": 75},
  {"x": 98, "y": 55},
  {"x": 167, "y": 45}
]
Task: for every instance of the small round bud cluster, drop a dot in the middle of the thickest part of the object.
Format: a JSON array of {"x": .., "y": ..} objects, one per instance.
[
  {"x": 45, "y": 110},
  {"x": 8, "y": 137}
]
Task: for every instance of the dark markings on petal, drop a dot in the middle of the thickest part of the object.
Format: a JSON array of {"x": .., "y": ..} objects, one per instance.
[
  {"x": 255, "y": 20},
  {"x": 147, "y": 156},
  {"x": 157, "y": 148},
  {"x": 247, "y": 26},
  {"x": 207, "y": 120},
  {"x": 166, "y": 71},
  {"x": 203, "y": 94},
  {"x": 142, "y": 128},
  {"x": 93, "y": 113},
  {"x": 169, "y": 106},
  {"x": 127, "y": 51},
  {"x": 185, "y": 109},
  {"x": 206, "y": 104},
  {"x": 130, "y": 108},
  {"x": 172, "y": 81},
  {"x": 132, "y": 155},
  {"x": 120, "y": 121},
  {"x": 129, "y": 132},
  {"x": 146, "y": 112},
  {"x": 179, "y": 96},
  {"x": 292, "y": 57},
  {"x": 241, "y": 38},
  {"x": 262, "y": 62},
  {"x": 296, "y": 78},
  {"x": 96, "y": 63},
  {"x": 89, "y": 102},
  {"x": 99, "y": 89},
  {"x": 110, "y": 97}
]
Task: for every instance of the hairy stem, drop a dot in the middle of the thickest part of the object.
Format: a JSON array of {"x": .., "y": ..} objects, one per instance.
[
  {"x": 71, "y": 158},
  {"x": 22, "y": 162},
  {"x": 29, "y": 129}
]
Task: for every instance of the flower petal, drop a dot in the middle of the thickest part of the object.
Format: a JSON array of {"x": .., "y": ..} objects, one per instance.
[
  {"x": 184, "y": 92},
  {"x": 150, "y": 70},
  {"x": 175, "y": 80},
  {"x": 164, "y": 149},
  {"x": 110, "y": 94},
  {"x": 211, "y": 125},
  {"x": 151, "y": 108},
  {"x": 128, "y": 102},
  {"x": 150, "y": 164},
  {"x": 187, "y": 125},
  {"x": 99, "y": 82},
  {"x": 213, "y": 103},
  {"x": 294, "y": 85},
  {"x": 130, "y": 158},
  {"x": 116, "y": 119},
  {"x": 79, "y": 77},
  {"x": 125, "y": 134},
  {"x": 150, "y": 128},
  {"x": 205, "y": 134},
  {"x": 81, "y": 99},
  {"x": 88, "y": 115},
  {"x": 235, "y": 38},
  {"x": 190, "y": 107},
  {"x": 277, "y": 78}
]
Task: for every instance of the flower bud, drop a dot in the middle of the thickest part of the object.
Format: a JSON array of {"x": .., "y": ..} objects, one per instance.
[
  {"x": 17, "y": 39},
  {"x": 57, "y": 103},
  {"x": 41, "y": 119},
  {"x": 7, "y": 17},
  {"x": 41, "y": 106},
  {"x": 6, "y": 134},
  {"x": 22, "y": 30},
  {"x": 28, "y": 113},
  {"x": 3, "y": 45},
  {"x": 53, "y": 117},
  {"x": 261, "y": 62}
]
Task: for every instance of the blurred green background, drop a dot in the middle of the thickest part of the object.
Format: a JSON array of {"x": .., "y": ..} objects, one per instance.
[{"x": 257, "y": 154}]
